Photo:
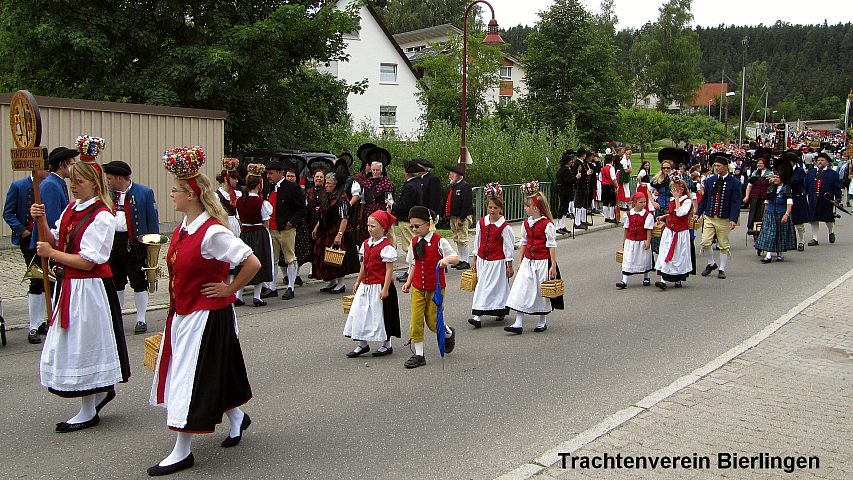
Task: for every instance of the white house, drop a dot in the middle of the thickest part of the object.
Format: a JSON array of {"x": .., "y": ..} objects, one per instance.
[
  {"x": 417, "y": 42},
  {"x": 390, "y": 103}
]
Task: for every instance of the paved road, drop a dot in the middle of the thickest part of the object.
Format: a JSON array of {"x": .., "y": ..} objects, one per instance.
[{"x": 499, "y": 401}]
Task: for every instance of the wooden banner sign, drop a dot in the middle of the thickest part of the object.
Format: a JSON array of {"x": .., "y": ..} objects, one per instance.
[{"x": 25, "y": 122}]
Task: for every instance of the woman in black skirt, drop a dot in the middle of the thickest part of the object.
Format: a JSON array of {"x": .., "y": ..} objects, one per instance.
[
  {"x": 200, "y": 373},
  {"x": 334, "y": 229},
  {"x": 255, "y": 214}
]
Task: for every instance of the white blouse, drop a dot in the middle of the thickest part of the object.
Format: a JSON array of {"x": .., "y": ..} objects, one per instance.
[
  {"x": 508, "y": 237},
  {"x": 388, "y": 252},
  {"x": 96, "y": 241},
  {"x": 219, "y": 241},
  {"x": 550, "y": 231}
]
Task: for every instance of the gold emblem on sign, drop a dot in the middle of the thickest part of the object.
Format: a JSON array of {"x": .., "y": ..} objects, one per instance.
[{"x": 24, "y": 120}]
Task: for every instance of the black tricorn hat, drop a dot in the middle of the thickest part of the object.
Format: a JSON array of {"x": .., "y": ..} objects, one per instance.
[
  {"x": 60, "y": 154},
  {"x": 362, "y": 150},
  {"x": 424, "y": 162},
  {"x": 454, "y": 169},
  {"x": 412, "y": 167},
  {"x": 117, "y": 167},
  {"x": 678, "y": 156}
]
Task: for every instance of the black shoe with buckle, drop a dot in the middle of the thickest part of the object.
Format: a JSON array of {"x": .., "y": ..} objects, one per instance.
[
  {"x": 415, "y": 361},
  {"x": 239, "y": 302},
  {"x": 621, "y": 285},
  {"x": 288, "y": 294},
  {"x": 268, "y": 293},
  {"x": 328, "y": 288},
  {"x": 141, "y": 327},
  {"x": 232, "y": 441},
  {"x": 515, "y": 330},
  {"x": 766, "y": 260},
  {"x": 43, "y": 328},
  {"x": 476, "y": 323},
  {"x": 298, "y": 282},
  {"x": 539, "y": 329},
  {"x": 708, "y": 269},
  {"x": 831, "y": 238},
  {"x": 65, "y": 427},
  {"x": 661, "y": 285},
  {"x": 33, "y": 337},
  {"x": 678, "y": 284},
  {"x": 358, "y": 351},
  {"x": 646, "y": 282},
  {"x": 450, "y": 342},
  {"x": 259, "y": 303},
  {"x": 158, "y": 471},
  {"x": 800, "y": 247},
  {"x": 382, "y": 352},
  {"x": 721, "y": 274},
  {"x": 813, "y": 243}
]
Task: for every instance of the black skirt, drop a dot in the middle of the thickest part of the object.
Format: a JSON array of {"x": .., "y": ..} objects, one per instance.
[{"x": 259, "y": 242}]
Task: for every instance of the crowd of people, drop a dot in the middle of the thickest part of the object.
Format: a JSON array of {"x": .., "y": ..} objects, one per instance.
[{"x": 241, "y": 233}]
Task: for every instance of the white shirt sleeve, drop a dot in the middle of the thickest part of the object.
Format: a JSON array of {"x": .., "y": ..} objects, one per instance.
[
  {"x": 444, "y": 248},
  {"x": 550, "y": 234},
  {"x": 220, "y": 243},
  {"x": 97, "y": 240},
  {"x": 625, "y": 222},
  {"x": 355, "y": 191},
  {"x": 266, "y": 211},
  {"x": 523, "y": 240},
  {"x": 612, "y": 174},
  {"x": 410, "y": 256},
  {"x": 388, "y": 254},
  {"x": 509, "y": 243},
  {"x": 684, "y": 209},
  {"x": 477, "y": 239},
  {"x": 650, "y": 222}
]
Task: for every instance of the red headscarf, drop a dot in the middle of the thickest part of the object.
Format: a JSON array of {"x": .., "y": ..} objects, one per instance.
[{"x": 384, "y": 218}]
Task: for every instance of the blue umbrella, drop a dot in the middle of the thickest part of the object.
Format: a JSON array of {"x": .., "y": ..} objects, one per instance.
[{"x": 438, "y": 299}]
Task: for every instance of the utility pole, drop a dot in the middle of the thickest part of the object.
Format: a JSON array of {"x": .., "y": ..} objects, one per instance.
[
  {"x": 745, "y": 43},
  {"x": 766, "y": 97},
  {"x": 722, "y": 82}
]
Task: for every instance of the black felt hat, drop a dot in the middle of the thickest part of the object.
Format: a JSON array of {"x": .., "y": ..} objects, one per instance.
[
  {"x": 678, "y": 156},
  {"x": 424, "y": 162},
  {"x": 363, "y": 149},
  {"x": 762, "y": 152},
  {"x": 455, "y": 169},
  {"x": 117, "y": 167},
  {"x": 60, "y": 154},
  {"x": 420, "y": 212},
  {"x": 723, "y": 158},
  {"x": 412, "y": 167},
  {"x": 276, "y": 164},
  {"x": 380, "y": 155}
]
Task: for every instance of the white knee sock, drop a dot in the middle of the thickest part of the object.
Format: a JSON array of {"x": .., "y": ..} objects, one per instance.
[
  {"x": 463, "y": 251},
  {"x": 476, "y": 317},
  {"x": 815, "y": 227},
  {"x": 419, "y": 348},
  {"x": 543, "y": 319},
  {"x": 447, "y": 331},
  {"x": 724, "y": 261},
  {"x": 560, "y": 222},
  {"x": 339, "y": 282},
  {"x": 87, "y": 410},
  {"x": 292, "y": 268},
  {"x": 625, "y": 279},
  {"x": 801, "y": 232},
  {"x": 120, "y": 294},
  {"x": 519, "y": 320},
  {"x": 183, "y": 444},
  {"x": 35, "y": 304},
  {"x": 769, "y": 254},
  {"x": 235, "y": 417},
  {"x": 256, "y": 292},
  {"x": 710, "y": 253},
  {"x": 141, "y": 301}
]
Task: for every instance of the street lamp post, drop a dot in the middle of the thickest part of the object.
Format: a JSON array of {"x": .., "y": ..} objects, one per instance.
[
  {"x": 745, "y": 43},
  {"x": 726, "y": 129},
  {"x": 492, "y": 38}
]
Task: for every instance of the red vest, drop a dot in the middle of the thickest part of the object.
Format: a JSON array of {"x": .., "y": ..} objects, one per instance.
[
  {"x": 536, "y": 249},
  {"x": 188, "y": 271},
  {"x": 67, "y": 224},
  {"x": 374, "y": 267},
  {"x": 424, "y": 274},
  {"x": 605, "y": 175},
  {"x": 491, "y": 241},
  {"x": 637, "y": 226},
  {"x": 249, "y": 209},
  {"x": 675, "y": 223},
  {"x": 273, "y": 199}
]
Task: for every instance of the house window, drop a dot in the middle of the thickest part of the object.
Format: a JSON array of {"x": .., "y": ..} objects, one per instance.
[
  {"x": 388, "y": 73},
  {"x": 387, "y": 115},
  {"x": 329, "y": 67},
  {"x": 506, "y": 73},
  {"x": 505, "y": 99}
]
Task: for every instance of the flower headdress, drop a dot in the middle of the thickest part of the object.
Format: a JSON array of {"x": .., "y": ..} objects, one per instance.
[
  {"x": 256, "y": 169},
  {"x": 530, "y": 188},
  {"x": 493, "y": 190},
  {"x": 230, "y": 164},
  {"x": 90, "y": 147},
  {"x": 185, "y": 163}
]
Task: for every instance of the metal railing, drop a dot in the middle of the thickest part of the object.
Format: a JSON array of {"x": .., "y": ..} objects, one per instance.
[{"x": 513, "y": 201}]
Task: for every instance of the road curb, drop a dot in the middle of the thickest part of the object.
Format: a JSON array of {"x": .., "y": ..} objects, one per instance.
[{"x": 551, "y": 457}]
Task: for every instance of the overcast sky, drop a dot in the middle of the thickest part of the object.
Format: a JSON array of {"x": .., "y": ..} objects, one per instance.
[{"x": 708, "y": 13}]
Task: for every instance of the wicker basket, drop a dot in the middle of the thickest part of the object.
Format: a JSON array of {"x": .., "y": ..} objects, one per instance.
[
  {"x": 334, "y": 257},
  {"x": 552, "y": 288},
  {"x": 347, "y": 300},
  {"x": 619, "y": 256},
  {"x": 468, "y": 281},
  {"x": 152, "y": 347},
  {"x": 658, "y": 230}
]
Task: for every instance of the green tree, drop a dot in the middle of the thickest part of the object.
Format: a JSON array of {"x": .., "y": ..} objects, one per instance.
[
  {"x": 642, "y": 126},
  {"x": 407, "y": 15},
  {"x": 571, "y": 73},
  {"x": 440, "y": 88},
  {"x": 248, "y": 58},
  {"x": 668, "y": 56},
  {"x": 687, "y": 126}
]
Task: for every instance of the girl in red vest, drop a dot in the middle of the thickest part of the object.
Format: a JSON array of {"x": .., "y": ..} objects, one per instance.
[
  {"x": 374, "y": 315},
  {"x": 538, "y": 263},
  {"x": 84, "y": 354},
  {"x": 494, "y": 244},
  {"x": 675, "y": 262},
  {"x": 255, "y": 213},
  {"x": 637, "y": 245},
  {"x": 200, "y": 373}
]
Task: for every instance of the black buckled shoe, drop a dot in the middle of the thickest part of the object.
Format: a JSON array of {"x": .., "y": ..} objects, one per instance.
[
  {"x": 33, "y": 337},
  {"x": 450, "y": 342},
  {"x": 141, "y": 327},
  {"x": 539, "y": 329},
  {"x": 832, "y": 238},
  {"x": 515, "y": 330},
  {"x": 801, "y": 247},
  {"x": 708, "y": 269},
  {"x": 298, "y": 282},
  {"x": 382, "y": 352},
  {"x": 621, "y": 285},
  {"x": 415, "y": 361},
  {"x": 476, "y": 323},
  {"x": 813, "y": 243},
  {"x": 43, "y": 328},
  {"x": 678, "y": 284},
  {"x": 766, "y": 260},
  {"x": 721, "y": 274},
  {"x": 647, "y": 282},
  {"x": 661, "y": 285},
  {"x": 232, "y": 441},
  {"x": 239, "y": 302},
  {"x": 358, "y": 351},
  {"x": 109, "y": 398},
  {"x": 158, "y": 471},
  {"x": 65, "y": 427},
  {"x": 259, "y": 303},
  {"x": 288, "y": 294},
  {"x": 268, "y": 293}
]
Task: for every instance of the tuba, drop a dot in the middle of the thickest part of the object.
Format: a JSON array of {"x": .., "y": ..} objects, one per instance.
[{"x": 153, "y": 271}]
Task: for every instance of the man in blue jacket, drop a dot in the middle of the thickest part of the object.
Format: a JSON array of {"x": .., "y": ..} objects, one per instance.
[
  {"x": 136, "y": 214},
  {"x": 16, "y": 213},
  {"x": 823, "y": 188},
  {"x": 721, "y": 207}
]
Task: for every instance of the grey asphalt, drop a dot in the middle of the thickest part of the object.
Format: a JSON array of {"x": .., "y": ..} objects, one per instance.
[{"x": 498, "y": 402}]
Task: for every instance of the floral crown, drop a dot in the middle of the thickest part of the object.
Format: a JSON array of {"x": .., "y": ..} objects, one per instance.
[
  {"x": 184, "y": 162},
  {"x": 230, "y": 164},
  {"x": 256, "y": 169},
  {"x": 90, "y": 147},
  {"x": 493, "y": 190},
  {"x": 530, "y": 188},
  {"x": 739, "y": 153}
]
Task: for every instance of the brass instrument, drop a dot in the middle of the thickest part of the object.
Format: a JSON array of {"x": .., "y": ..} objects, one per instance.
[
  {"x": 34, "y": 272},
  {"x": 153, "y": 271}
]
